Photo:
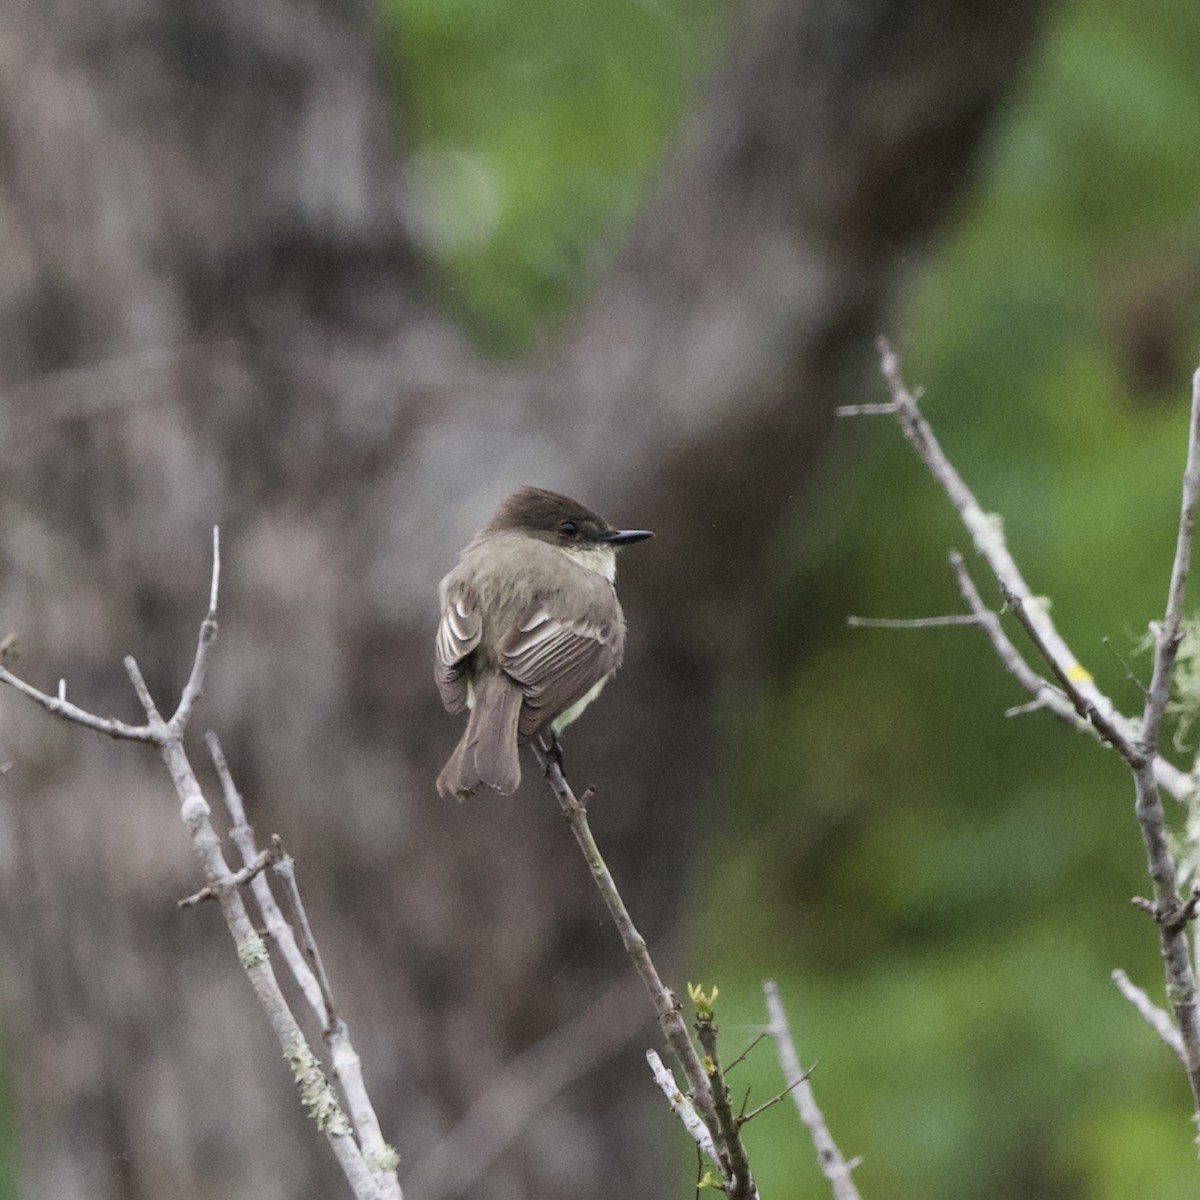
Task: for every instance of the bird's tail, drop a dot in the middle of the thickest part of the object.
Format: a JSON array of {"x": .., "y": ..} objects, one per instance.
[{"x": 487, "y": 753}]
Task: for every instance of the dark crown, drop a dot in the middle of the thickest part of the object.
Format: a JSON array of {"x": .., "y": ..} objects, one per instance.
[{"x": 538, "y": 509}]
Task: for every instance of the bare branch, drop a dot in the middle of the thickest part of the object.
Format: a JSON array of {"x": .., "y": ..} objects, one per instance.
[
  {"x": 242, "y": 834},
  {"x": 285, "y": 867},
  {"x": 1170, "y": 914},
  {"x": 1169, "y": 634},
  {"x": 145, "y": 699},
  {"x": 731, "y": 1150},
  {"x": 78, "y": 716},
  {"x": 1070, "y": 679},
  {"x": 910, "y": 622},
  {"x": 1138, "y": 745},
  {"x": 670, "y": 1017},
  {"x": 208, "y": 634},
  {"x": 746, "y": 1117},
  {"x": 987, "y": 534},
  {"x": 380, "y": 1155},
  {"x": 237, "y": 879},
  {"x": 381, "y": 1158},
  {"x": 681, "y": 1105},
  {"x": 224, "y": 885},
  {"x": 316, "y": 1095},
  {"x": 746, "y": 1053},
  {"x": 1044, "y": 695},
  {"x": 866, "y": 410},
  {"x": 1156, "y": 1018},
  {"x": 833, "y": 1165},
  {"x": 215, "y": 583}
]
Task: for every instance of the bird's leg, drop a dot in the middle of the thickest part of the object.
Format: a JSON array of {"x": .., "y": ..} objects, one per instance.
[{"x": 552, "y": 748}]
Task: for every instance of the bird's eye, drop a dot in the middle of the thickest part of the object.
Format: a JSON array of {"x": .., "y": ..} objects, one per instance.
[{"x": 568, "y": 529}]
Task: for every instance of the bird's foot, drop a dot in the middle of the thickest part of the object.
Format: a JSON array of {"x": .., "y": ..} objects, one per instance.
[{"x": 552, "y": 748}]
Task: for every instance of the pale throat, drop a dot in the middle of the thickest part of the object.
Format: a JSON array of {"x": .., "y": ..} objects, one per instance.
[{"x": 601, "y": 559}]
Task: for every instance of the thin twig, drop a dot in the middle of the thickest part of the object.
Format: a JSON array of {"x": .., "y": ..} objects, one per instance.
[
  {"x": 1156, "y": 1018},
  {"x": 746, "y": 1053},
  {"x": 237, "y": 879},
  {"x": 682, "y": 1106},
  {"x": 911, "y": 622},
  {"x": 833, "y": 1165},
  {"x": 381, "y": 1158},
  {"x": 1070, "y": 678},
  {"x": 78, "y": 716},
  {"x": 242, "y": 834},
  {"x": 1169, "y": 911},
  {"x": 1129, "y": 673},
  {"x": 731, "y": 1150},
  {"x": 147, "y": 701},
  {"x": 1170, "y": 633},
  {"x": 1138, "y": 745},
  {"x": 317, "y": 1097},
  {"x": 285, "y": 867},
  {"x": 987, "y": 534},
  {"x": 208, "y": 635},
  {"x": 670, "y": 1016},
  {"x": 1044, "y": 694},
  {"x": 746, "y": 1117},
  {"x": 867, "y": 410}
]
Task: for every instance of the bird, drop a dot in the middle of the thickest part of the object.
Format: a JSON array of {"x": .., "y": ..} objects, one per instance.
[{"x": 530, "y": 632}]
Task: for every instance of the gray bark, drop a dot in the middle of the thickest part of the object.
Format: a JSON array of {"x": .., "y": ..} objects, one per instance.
[{"x": 212, "y": 311}]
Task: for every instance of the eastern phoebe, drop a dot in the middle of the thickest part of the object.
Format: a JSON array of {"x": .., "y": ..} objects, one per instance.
[{"x": 531, "y": 630}]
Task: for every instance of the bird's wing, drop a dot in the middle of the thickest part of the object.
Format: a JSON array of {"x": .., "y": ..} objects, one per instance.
[
  {"x": 458, "y": 634},
  {"x": 557, "y": 660}
]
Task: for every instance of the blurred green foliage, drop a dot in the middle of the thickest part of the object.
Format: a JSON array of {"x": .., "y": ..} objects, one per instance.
[
  {"x": 534, "y": 124},
  {"x": 942, "y": 893}
]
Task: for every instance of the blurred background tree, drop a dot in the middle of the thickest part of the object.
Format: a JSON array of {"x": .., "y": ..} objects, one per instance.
[
  {"x": 949, "y": 889},
  {"x": 217, "y": 309},
  {"x": 953, "y": 887}
]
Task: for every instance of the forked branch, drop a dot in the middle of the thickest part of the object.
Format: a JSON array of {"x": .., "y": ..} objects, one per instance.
[
  {"x": 1137, "y": 743},
  {"x": 987, "y": 533},
  {"x": 370, "y": 1177}
]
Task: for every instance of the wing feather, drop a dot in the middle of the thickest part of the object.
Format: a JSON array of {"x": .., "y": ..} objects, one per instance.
[
  {"x": 557, "y": 661},
  {"x": 459, "y": 632}
]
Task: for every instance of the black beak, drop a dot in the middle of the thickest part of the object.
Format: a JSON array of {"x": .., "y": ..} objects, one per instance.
[{"x": 624, "y": 537}]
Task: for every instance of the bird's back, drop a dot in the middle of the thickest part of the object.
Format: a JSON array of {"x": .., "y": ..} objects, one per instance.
[{"x": 515, "y": 573}]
